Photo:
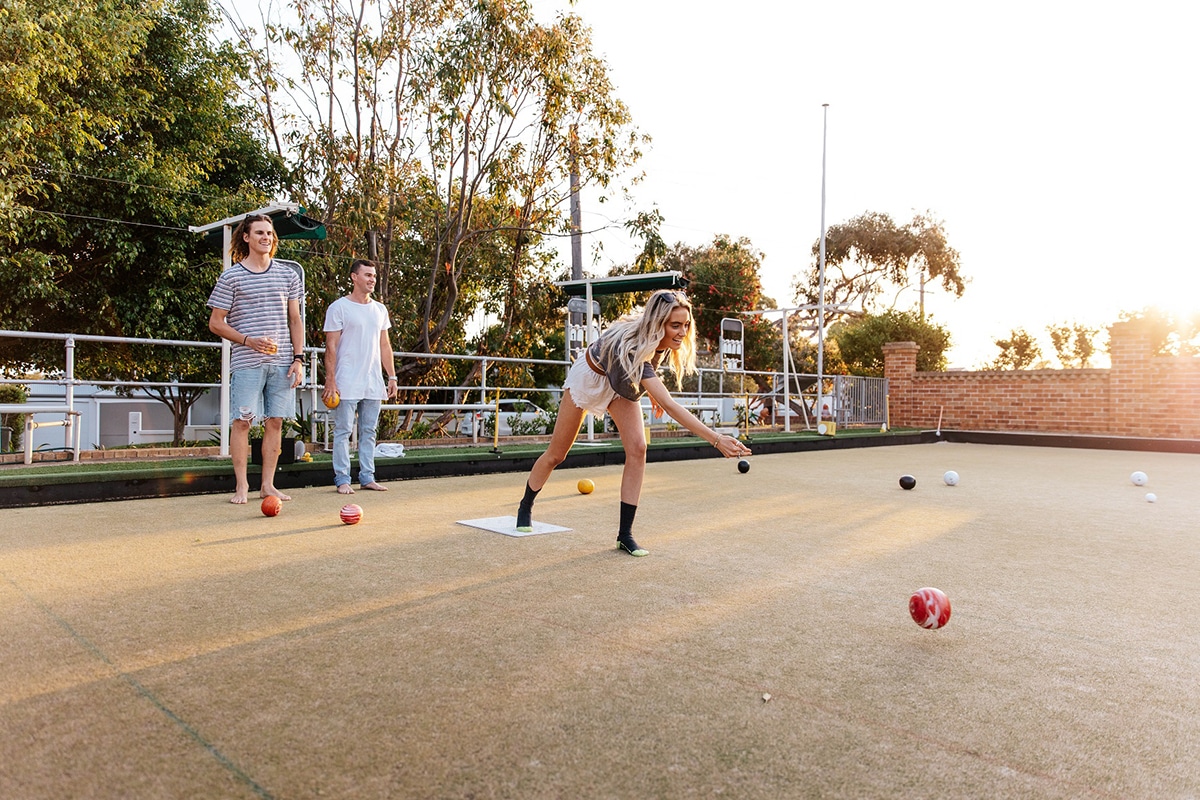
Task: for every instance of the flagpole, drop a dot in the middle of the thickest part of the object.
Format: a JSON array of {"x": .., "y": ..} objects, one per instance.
[{"x": 821, "y": 272}]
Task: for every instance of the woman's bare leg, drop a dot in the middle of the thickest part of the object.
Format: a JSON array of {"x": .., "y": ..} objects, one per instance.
[
  {"x": 632, "y": 427},
  {"x": 628, "y": 417},
  {"x": 566, "y": 427}
]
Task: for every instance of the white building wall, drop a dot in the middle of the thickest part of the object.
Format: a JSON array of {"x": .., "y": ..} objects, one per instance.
[{"x": 105, "y": 418}]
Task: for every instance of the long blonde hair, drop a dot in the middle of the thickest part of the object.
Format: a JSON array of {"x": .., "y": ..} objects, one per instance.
[
  {"x": 239, "y": 250},
  {"x": 632, "y": 340}
]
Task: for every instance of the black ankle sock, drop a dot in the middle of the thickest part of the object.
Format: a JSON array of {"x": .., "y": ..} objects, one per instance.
[
  {"x": 627, "y": 513},
  {"x": 625, "y": 537},
  {"x": 525, "y": 510}
]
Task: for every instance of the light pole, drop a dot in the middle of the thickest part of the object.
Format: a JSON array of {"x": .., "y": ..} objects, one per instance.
[{"x": 821, "y": 271}]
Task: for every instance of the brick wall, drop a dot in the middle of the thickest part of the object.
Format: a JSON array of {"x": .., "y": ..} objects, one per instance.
[{"x": 1140, "y": 395}]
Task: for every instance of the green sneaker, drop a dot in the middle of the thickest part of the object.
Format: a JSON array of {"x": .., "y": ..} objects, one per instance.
[
  {"x": 627, "y": 544},
  {"x": 524, "y": 519}
]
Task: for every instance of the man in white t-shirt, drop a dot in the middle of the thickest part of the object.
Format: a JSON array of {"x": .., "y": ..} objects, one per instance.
[{"x": 357, "y": 354}]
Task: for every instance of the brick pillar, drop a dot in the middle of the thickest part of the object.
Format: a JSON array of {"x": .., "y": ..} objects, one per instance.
[
  {"x": 899, "y": 367},
  {"x": 1130, "y": 380}
]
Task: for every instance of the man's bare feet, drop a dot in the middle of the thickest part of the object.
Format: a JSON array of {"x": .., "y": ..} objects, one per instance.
[
  {"x": 345, "y": 489},
  {"x": 271, "y": 490},
  {"x": 239, "y": 497},
  {"x": 373, "y": 486}
]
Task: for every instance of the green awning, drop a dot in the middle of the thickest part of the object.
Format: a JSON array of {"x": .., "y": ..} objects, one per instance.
[
  {"x": 288, "y": 225},
  {"x": 297, "y": 226},
  {"x": 621, "y": 284}
]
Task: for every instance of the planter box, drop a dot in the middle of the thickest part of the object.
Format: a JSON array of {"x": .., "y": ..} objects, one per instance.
[{"x": 286, "y": 456}]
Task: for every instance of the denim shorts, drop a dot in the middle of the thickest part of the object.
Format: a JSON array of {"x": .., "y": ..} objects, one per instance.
[{"x": 256, "y": 393}]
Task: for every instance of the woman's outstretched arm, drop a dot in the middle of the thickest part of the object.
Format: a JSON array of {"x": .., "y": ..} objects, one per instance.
[{"x": 729, "y": 446}]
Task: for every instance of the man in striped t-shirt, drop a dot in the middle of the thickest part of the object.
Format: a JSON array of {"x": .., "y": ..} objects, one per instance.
[{"x": 256, "y": 306}]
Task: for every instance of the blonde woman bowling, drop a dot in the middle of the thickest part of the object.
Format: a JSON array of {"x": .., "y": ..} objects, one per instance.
[{"x": 612, "y": 376}]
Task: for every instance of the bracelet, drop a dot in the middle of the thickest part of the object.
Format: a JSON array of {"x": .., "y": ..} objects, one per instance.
[
  {"x": 391, "y": 377},
  {"x": 245, "y": 339},
  {"x": 298, "y": 358}
]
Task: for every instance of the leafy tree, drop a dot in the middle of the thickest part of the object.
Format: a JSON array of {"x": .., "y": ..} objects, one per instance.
[
  {"x": 860, "y": 341},
  {"x": 647, "y": 226},
  {"x": 440, "y": 134},
  {"x": 1171, "y": 334},
  {"x": 334, "y": 88},
  {"x": 509, "y": 106},
  {"x": 724, "y": 281},
  {"x": 1073, "y": 344},
  {"x": 127, "y": 136},
  {"x": 1018, "y": 351},
  {"x": 870, "y": 261},
  {"x": 49, "y": 49},
  {"x": 804, "y": 357}
]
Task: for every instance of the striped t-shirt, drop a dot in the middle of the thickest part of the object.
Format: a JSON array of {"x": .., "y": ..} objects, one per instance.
[{"x": 257, "y": 303}]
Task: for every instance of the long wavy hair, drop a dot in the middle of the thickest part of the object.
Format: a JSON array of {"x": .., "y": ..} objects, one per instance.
[
  {"x": 632, "y": 340},
  {"x": 239, "y": 249}
]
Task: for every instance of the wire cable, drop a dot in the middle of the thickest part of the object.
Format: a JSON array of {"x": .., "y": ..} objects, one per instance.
[
  {"x": 103, "y": 219},
  {"x": 47, "y": 170}
]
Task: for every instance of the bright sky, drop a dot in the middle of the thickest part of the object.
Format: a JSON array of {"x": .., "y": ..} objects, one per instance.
[{"x": 1058, "y": 141}]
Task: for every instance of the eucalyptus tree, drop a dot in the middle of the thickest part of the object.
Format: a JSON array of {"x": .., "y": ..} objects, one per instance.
[
  {"x": 1074, "y": 344},
  {"x": 1019, "y": 350},
  {"x": 511, "y": 106},
  {"x": 334, "y": 86},
  {"x": 870, "y": 260},
  {"x": 438, "y": 136}
]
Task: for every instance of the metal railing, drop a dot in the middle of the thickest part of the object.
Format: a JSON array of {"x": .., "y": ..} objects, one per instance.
[
  {"x": 72, "y": 423},
  {"x": 848, "y": 400},
  {"x": 67, "y": 380}
]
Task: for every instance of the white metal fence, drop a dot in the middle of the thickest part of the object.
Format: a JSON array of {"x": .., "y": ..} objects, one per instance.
[{"x": 717, "y": 395}]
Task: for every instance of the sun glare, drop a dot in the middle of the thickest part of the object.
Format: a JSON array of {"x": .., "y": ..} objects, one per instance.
[{"x": 1176, "y": 291}]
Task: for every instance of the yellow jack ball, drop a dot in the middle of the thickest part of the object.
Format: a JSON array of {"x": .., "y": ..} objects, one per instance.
[{"x": 585, "y": 486}]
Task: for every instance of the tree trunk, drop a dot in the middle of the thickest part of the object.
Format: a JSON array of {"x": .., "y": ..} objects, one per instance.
[{"x": 180, "y": 401}]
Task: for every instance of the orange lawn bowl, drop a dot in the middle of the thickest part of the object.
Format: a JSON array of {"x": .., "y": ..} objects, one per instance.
[
  {"x": 332, "y": 402},
  {"x": 271, "y": 505},
  {"x": 352, "y": 514}
]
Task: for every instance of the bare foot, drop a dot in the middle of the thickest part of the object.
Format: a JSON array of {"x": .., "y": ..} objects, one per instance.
[
  {"x": 271, "y": 490},
  {"x": 373, "y": 486},
  {"x": 239, "y": 497},
  {"x": 345, "y": 489}
]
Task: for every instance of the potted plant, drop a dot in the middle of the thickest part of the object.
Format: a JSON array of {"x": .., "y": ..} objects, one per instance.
[{"x": 287, "y": 453}]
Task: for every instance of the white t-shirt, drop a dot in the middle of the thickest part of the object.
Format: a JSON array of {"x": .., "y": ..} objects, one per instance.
[{"x": 359, "y": 369}]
